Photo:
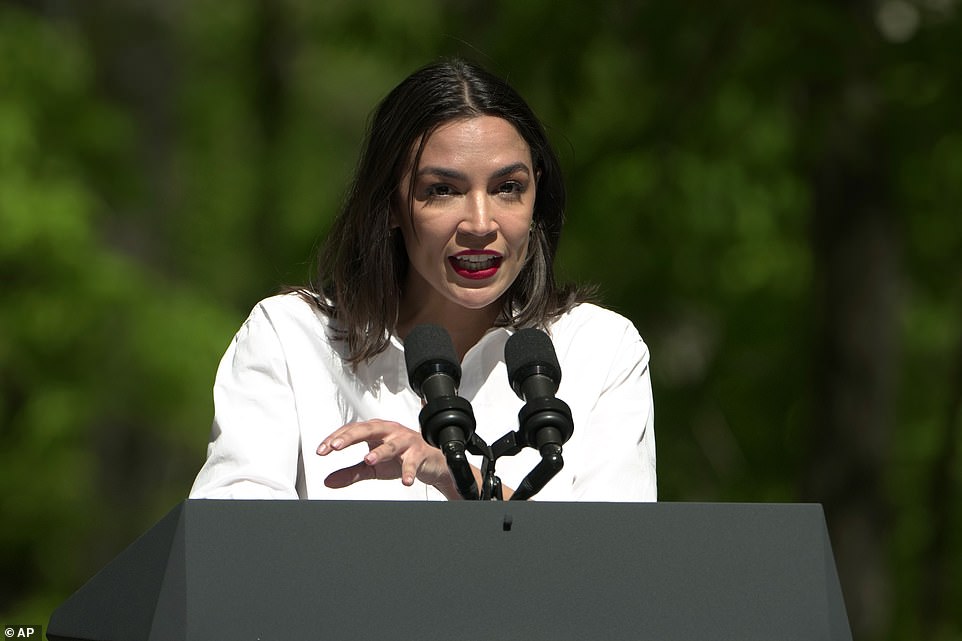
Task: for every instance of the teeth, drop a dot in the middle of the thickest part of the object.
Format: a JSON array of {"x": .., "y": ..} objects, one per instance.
[{"x": 477, "y": 262}]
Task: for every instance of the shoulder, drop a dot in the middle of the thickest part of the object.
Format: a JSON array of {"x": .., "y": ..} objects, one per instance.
[
  {"x": 288, "y": 309},
  {"x": 587, "y": 320},
  {"x": 291, "y": 329},
  {"x": 291, "y": 318},
  {"x": 590, "y": 333}
]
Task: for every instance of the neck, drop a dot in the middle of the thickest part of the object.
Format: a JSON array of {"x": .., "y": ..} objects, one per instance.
[{"x": 465, "y": 326}]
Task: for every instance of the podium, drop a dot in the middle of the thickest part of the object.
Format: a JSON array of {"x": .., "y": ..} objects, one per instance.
[{"x": 317, "y": 570}]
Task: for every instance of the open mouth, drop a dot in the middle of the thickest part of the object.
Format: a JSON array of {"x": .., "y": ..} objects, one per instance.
[{"x": 476, "y": 265}]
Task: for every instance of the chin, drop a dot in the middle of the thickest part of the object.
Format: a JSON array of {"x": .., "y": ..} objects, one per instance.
[
  {"x": 477, "y": 305},
  {"x": 477, "y": 302}
]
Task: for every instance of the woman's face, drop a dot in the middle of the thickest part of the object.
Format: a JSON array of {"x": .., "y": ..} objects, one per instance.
[{"x": 467, "y": 229}]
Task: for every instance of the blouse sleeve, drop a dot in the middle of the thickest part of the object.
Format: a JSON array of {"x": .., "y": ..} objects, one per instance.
[
  {"x": 620, "y": 430},
  {"x": 255, "y": 444}
]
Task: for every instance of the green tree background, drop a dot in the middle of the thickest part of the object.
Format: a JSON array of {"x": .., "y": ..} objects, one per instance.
[{"x": 770, "y": 190}]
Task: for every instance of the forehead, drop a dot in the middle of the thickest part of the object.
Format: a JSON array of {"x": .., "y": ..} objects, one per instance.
[{"x": 480, "y": 140}]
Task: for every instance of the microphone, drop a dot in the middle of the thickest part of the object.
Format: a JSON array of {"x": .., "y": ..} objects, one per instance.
[
  {"x": 534, "y": 374},
  {"x": 447, "y": 420},
  {"x": 545, "y": 422}
]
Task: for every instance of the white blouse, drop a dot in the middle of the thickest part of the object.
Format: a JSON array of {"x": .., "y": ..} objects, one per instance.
[{"x": 282, "y": 386}]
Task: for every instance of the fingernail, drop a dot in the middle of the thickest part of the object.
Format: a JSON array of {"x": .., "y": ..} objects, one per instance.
[
  {"x": 337, "y": 443},
  {"x": 322, "y": 448},
  {"x": 370, "y": 458}
]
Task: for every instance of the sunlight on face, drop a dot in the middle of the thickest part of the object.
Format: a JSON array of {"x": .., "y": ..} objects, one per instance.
[{"x": 467, "y": 229}]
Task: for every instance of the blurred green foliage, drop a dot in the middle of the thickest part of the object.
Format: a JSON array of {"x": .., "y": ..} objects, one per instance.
[{"x": 770, "y": 191}]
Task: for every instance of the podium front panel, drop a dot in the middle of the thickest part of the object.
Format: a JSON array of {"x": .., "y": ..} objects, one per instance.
[{"x": 282, "y": 570}]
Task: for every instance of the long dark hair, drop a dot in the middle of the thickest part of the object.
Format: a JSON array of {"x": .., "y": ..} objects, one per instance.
[{"x": 363, "y": 263}]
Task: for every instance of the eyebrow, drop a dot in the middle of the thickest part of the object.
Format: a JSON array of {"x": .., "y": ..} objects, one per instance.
[{"x": 443, "y": 172}]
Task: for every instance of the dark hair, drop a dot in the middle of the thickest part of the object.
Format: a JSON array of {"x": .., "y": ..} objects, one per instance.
[{"x": 362, "y": 264}]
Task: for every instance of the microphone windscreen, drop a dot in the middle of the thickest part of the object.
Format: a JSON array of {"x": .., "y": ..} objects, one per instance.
[
  {"x": 530, "y": 351},
  {"x": 428, "y": 349}
]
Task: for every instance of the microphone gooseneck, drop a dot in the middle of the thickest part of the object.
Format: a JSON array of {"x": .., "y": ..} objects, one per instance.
[{"x": 447, "y": 420}]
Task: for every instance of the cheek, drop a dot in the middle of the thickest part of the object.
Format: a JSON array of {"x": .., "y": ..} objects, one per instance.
[
  {"x": 525, "y": 251},
  {"x": 425, "y": 240},
  {"x": 520, "y": 238}
]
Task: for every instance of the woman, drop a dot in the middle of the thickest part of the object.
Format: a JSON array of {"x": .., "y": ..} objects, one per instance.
[{"x": 453, "y": 218}]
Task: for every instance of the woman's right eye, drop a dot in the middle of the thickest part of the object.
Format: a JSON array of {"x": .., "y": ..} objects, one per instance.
[{"x": 439, "y": 190}]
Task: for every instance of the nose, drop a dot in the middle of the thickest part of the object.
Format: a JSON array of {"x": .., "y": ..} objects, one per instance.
[{"x": 478, "y": 216}]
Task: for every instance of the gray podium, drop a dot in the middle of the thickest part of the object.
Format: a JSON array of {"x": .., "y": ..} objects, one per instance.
[{"x": 315, "y": 570}]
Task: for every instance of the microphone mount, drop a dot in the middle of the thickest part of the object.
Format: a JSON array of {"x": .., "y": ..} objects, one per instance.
[
  {"x": 544, "y": 424},
  {"x": 448, "y": 423}
]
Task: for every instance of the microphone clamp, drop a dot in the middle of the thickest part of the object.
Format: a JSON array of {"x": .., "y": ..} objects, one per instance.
[
  {"x": 447, "y": 418},
  {"x": 545, "y": 420}
]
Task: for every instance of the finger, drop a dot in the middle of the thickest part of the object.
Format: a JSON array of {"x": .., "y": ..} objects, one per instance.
[
  {"x": 410, "y": 467},
  {"x": 350, "y": 434},
  {"x": 348, "y": 476},
  {"x": 383, "y": 452}
]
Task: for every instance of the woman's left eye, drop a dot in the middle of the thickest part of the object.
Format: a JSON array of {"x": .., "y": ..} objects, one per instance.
[{"x": 512, "y": 188}]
